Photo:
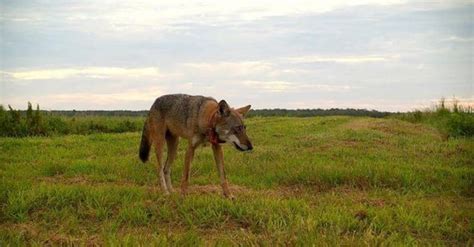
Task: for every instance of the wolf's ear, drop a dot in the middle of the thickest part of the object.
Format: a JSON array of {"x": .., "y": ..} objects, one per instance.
[
  {"x": 243, "y": 110},
  {"x": 224, "y": 109}
]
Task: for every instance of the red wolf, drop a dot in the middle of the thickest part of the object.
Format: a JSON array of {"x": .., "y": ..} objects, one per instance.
[{"x": 198, "y": 119}]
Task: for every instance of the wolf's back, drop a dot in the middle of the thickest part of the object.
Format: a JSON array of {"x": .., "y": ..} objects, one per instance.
[{"x": 181, "y": 109}]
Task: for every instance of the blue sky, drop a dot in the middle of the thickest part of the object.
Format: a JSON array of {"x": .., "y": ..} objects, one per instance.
[{"x": 384, "y": 55}]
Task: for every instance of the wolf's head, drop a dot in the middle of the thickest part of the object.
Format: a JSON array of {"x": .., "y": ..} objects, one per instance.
[{"x": 230, "y": 126}]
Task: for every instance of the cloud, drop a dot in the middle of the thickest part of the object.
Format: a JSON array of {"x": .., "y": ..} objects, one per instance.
[
  {"x": 339, "y": 59},
  {"x": 134, "y": 15},
  {"x": 269, "y": 86},
  {"x": 90, "y": 72},
  {"x": 339, "y": 51},
  {"x": 460, "y": 39},
  {"x": 285, "y": 86},
  {"x": 107, "y": 98},
  {"x": 230, "y": 68},
  {"x": 92, "y": 100}
]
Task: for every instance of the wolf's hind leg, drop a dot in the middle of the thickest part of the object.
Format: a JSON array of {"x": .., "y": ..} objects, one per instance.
[
  {"x": 161, "y": 174},
  {"x": 172, "y": 142},
  {"x": 158, "y": 137}
]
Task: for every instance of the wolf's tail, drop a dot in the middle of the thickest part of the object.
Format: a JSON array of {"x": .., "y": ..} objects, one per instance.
[{"x": 145, "y": 144}]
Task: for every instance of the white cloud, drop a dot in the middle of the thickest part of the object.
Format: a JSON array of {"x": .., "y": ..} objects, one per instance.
[
  {"x": 300, "y": 55},
  {"x": 90, "y": 100},
  {"x": 285, "y": 86},
  {"x": 276, "y": 67},
  {"x": 269, "y": 86},
  {"x": 90, "y": 72},
  {"x": 230, "y": 68},
  {"x": 459, "y": 39},
  {"x": 339, "y": 59},
  {"x": 147, "y": 15},
  {"x": 108, "y": 98}
]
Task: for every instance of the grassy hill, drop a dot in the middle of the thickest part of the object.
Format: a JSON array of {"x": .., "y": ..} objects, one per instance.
[{"x": 344, "y": 180}]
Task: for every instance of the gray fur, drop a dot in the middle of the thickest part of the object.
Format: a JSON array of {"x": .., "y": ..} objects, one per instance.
[{"x": 188, "y": 106}]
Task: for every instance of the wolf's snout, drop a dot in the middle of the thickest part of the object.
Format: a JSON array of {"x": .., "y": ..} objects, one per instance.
[
  {"x": 243, "y": 147},
  {"x": 249, "y": 146}
]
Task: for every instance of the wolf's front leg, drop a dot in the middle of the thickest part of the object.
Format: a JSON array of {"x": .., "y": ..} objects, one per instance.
[
  {"x": 187, "y": 168},
  {"x": 219, "y": 158}
]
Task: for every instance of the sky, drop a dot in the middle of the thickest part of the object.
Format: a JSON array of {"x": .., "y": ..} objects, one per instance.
[{"x": 391, "y": 55}]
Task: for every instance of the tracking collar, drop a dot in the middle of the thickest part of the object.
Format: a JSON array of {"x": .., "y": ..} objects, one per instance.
[{"x": 211, "y": 130}]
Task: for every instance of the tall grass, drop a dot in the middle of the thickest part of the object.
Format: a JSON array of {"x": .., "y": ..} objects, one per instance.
[
  {"x": 15, "y": 123},
  {"x": 452, "y": 119}
]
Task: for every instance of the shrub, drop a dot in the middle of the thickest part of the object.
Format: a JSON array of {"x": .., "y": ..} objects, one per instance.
[
  {"x": 454, "y": 121},
  {"x": 460, "y": 124},
  {"x": 31, "y": 122}
]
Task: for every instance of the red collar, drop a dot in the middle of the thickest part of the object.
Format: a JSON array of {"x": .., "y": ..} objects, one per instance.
[
  {"x": 212, "y": 134},
  {"x": 211, "y": 130}
]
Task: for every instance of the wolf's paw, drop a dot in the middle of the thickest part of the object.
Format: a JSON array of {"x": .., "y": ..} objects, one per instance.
[
  {"x": 184, "y": 192},
  {"x": 229, "y": 196}
]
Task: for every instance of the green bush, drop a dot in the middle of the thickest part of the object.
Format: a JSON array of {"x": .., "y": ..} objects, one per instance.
[
  {"x": 457, "y": 121},
  {"x": 460, "y": 124},
  {"x": 15, "y": 123},
  {"x": 11, "y": 123},
  {"x": 55, "y": 125}
]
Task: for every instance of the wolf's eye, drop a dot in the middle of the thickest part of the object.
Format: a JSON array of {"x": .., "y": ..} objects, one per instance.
[{"x": 238, "y": 129}]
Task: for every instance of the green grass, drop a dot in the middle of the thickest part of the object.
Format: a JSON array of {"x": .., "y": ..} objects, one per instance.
[
  {"x": 323, "y": 180},
  {"x": 451, "y": 119}
]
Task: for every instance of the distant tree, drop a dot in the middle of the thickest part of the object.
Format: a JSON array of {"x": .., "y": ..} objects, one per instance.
[
  {"x": 15, "y": 115},
  {"x": 442, "y": 103},
  {"x": 37, "y": 122},
  {"x": 14, "y": 124},
  {"x": 455, "y": 105},
  {"x": 29, "y": 119},
  {"x": 3, "y": 121}
]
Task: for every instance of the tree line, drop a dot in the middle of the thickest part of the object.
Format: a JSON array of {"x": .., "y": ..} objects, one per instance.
[
  {"x": 253, "y": 113},
  {"x": 454, "y": 121},
  {"x": 37, "y": 122}
]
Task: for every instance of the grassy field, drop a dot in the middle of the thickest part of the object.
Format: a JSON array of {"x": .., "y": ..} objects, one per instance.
[{"x": 322, "y": 180}]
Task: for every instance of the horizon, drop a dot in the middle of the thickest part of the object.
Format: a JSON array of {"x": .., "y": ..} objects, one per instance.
[
  {"x": 388, "y": 56},
  {"x": 448, "y": 104}
]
